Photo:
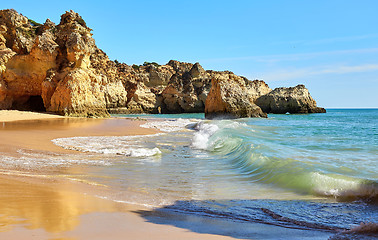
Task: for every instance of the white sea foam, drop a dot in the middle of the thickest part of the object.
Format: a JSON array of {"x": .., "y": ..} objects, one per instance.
[
  {"x": 119, "y": 145},
  {"x": 327, "y": 185},
  {"x": 202, "y": 135},
  {"x": 343, "y": 188},
  {"x": 33, "y": 160},
  {"x": 233, "y": 124},
  {"x": 206, "y": 129},
  {"x": 171, "y": 125}
]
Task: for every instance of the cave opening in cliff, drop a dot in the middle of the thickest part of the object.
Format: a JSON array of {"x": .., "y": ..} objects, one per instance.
[{"x": 33, "y": 103}]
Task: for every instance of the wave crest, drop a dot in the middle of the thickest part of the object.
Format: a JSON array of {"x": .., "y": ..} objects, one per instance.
[
  {"x": 171, "y": 125},
  {"x": 122, "y": 145},
  {"x": 244, "y": 150},
  {"x": 202, "y": 135}
]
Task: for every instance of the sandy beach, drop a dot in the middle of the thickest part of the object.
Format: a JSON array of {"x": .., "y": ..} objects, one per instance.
[
  {"x": 34, "y": 205},
  {"x": 15, "y": 115}
]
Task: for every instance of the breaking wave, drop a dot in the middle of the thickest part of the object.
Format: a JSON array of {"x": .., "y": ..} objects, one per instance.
[
  {"x": 250, "y": 153},
  {"x": 169, "y": 125}
]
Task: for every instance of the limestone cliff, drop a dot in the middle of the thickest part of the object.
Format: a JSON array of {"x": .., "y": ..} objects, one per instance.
[
  {"x": 187, "y": 89},
  {"x": 176, "y": 87},
  {"x": 48, "y": 67},
  {"x": 25, "y": 58},
  {"x": 59, "y": 68},
  {"x": 293, "y": 100},
  {"x": 229, "y": 98},
  {"x": 256, "y": 89}
]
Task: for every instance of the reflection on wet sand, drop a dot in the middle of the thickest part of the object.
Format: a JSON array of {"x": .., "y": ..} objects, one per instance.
[
  {"x": 57, "y": 211},
  {"x": 41, "y": 206},
  {"x": 59, "y": 123}
]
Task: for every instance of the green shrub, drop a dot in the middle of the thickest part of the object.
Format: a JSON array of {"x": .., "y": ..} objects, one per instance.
[
  {"x": 151, "y": 63},
  {"x": 81, "y": 22},
  {"x": 34, "y": 23},
  {"x": 135, "y": 67},
  {"x": 31, "y": 33}
]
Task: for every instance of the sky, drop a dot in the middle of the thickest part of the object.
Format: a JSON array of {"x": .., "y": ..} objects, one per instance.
[{"x": 330, "y": 46}]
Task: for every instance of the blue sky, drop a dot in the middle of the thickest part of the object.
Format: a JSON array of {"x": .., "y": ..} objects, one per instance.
[{"x": 330, "y": 46}]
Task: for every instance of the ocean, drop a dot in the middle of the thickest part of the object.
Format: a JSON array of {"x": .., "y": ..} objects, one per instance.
[{"x": 316, "y": 174}]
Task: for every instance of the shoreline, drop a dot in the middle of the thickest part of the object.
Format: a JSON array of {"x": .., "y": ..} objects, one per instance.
[
  {"x": 42, "y": 128},
  {"x": 59, "y": 196},
  {"x": 39, "y": 206}
]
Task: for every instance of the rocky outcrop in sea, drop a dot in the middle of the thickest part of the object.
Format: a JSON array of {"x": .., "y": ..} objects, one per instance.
[
  {"x": 59, "y": 68},
  {"x": 232, "y": 96},
  {"x": 289, "y": 100}
]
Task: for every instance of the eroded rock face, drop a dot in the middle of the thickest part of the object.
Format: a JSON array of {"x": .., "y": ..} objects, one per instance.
[
  {"x": 114, "y": 89},
  {"x": 256, "y": 89},
  {"x": 76, "y": 89},
  {"x": 176, "y": 87},
  {"x": 75, "y": 40},
  {"x": 142, "y": 100},
  {"x": 155, "y": 76},
  {"x": 187, "y": 90},
  {"x": 180, "y": 67},
  {"x": 26, "y": 53},
  {"x": 25, "y": 73},
  {"x": 54, "y": 64},
  {"x": 16, "y": 31},
  {"x": 79, "y": 93},
  {"x": 229, "y": 98},
  {"x": 5, "y": 55},
  {"x": 293, "y": 100}
]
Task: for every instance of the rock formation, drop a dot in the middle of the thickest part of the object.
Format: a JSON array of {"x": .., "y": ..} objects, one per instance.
[
  {"x": 229, "y": 98},
  {"x": 176, "y": 87},
  {"x": 187, "y": 89},
  {"x": 59, "y": 68},
  {"x": 17, "y": 36},
  {"x": 256, "y": 89},
  {"x": 75, "y": 88},
  {"x": 293, "y": 100},
  {"x": 48, "y": 67}
]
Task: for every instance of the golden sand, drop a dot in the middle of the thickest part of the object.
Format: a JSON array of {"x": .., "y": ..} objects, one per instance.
[
  {"x": 14, "y": 115},
  {"x": 34, "y": 207}
]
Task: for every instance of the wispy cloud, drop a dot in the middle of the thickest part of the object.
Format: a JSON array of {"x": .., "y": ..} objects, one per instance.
[
  {"x": 290, "y": 74},
  {"x": 292, "y": 57},
  {"x": 349, "y": 69},
  {"x": 328, "y": 40}
]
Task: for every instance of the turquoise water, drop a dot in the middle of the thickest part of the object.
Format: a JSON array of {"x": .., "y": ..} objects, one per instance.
[
  {"x": 332, "y": 154},
  {"x": 315, "y": 172},
  {"x": 170, "y": 116}
]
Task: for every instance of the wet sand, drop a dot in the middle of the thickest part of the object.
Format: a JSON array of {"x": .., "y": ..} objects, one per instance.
[
  {"x": 37, "y": 134},
  {"x": 57, "y": 210},
  {"x": 35, "y": 207}
]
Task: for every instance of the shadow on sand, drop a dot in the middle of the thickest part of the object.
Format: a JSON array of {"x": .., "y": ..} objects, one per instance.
[{"x": 241, "y": 219}]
